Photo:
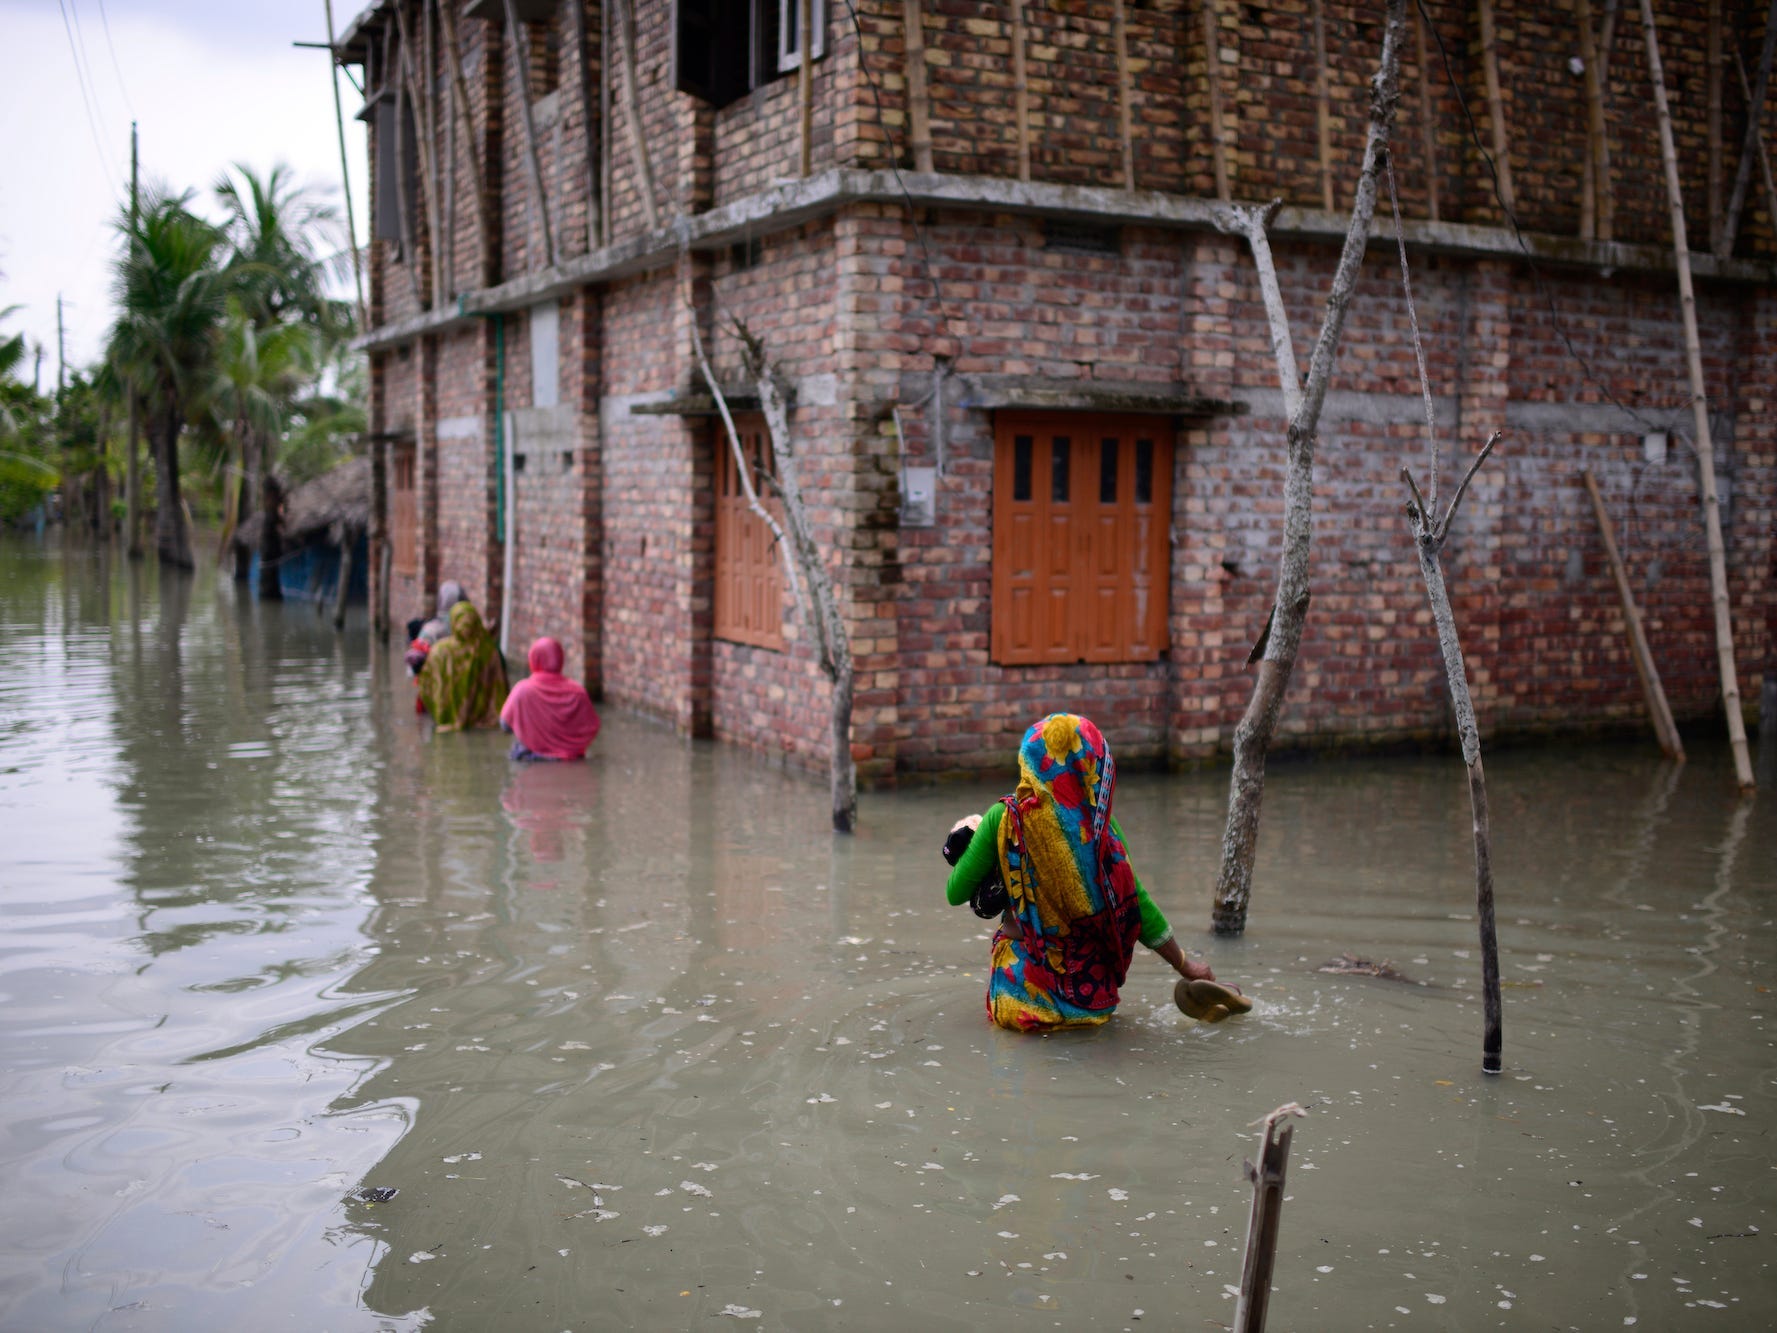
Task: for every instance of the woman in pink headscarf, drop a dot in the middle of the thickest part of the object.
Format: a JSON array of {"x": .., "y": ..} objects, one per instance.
[{"x": 552, "y": 716}]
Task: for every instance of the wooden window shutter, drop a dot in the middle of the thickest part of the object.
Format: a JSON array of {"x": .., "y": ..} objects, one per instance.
[
  {"x": 404, "y": 513},
  {"x": 1081, "y": 557}
]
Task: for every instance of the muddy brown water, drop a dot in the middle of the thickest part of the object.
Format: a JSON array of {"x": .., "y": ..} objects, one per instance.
[{"x": 641, "y": 1045}]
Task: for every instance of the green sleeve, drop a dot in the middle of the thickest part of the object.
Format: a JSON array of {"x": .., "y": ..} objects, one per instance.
[
  {"x": 979, "y": 861},
  {"x": 1155, "y": 929}
]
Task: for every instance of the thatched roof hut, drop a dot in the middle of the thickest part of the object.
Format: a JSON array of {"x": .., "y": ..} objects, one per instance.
[{"x": 334, "y": 508}]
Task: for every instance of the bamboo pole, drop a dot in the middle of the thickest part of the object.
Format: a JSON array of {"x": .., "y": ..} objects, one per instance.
[
  {"x": 805, "y": 79},
  {"x": 410, "y": 259},
  {"x": 1323, "y": 105},
  {"x": 632, "y": 111},
  {"x": 605, "y": 66},
  {"x": 1496, "y": 107},
  {"x": 1712, "y": 122},
  {"x": 1120, "y": 32},
  {"x": 1764, "y": 158},
  {"x": 1718, "y": 571},
  {"x": 1429, "y": 535},
  {"x": 1607, "y": 199},
  {"x": 1659, "y": 712},
  {"x": 521, "y": 85},
  {"x": 919, "y": 105},
  {"x": 1754, "y": 114},
  {"x": 1212, "y": 60},
  {"x": 1262, "y": 1225},
  {"x": 1428, "y": 129},
  {"x": 1589, "y": 199},
  {"x": 422, "y": 107},
  {"x": 1020, "y": 90},
  {"x": 583, "y": 64},
  {"x": 483, "y": 220}
]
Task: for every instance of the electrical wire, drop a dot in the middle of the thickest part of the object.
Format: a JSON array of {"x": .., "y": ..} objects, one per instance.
[
  {"x": 87, "y": 102},
  {"x": 116, "y": 68}
]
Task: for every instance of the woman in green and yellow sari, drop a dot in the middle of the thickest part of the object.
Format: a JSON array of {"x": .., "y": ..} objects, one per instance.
[{"x": 463, "y": 683}]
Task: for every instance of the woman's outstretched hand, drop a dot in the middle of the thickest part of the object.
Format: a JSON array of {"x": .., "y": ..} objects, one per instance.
[{"x": 1189, "y": 970}]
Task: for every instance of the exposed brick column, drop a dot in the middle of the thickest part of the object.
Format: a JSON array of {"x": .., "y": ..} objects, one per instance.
[
  {"x": 869, "y": 583},
  {"x": 425, "y": 458},
  {"x": 494, "y": 440},
  {"x": 697, "y": 155},
  {"x": 694, "y": 584},
  {"x": 583, "y": 386},
  {"x": 1752, "y": 538},
  {"x": 1472, "y": 568},
  {"x": 1201, "y": 500}
]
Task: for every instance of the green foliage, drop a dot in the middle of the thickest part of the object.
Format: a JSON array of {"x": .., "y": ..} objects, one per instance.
[{"x": 27, "y": 437}]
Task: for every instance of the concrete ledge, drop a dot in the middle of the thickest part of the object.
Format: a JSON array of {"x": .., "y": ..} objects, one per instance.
[
  {"x": 790, "y": 203},
  {"x": 985, "y": 392}
]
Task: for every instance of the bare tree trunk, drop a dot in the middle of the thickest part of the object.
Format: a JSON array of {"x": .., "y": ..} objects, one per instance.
[
  {"x": 271, "y": 539},
  {"x": 1429, "y": 534},
  {"x": 172, "y": 540},
  {"x": 1687, "y": 303},
  {"x": 1283, "y": 634}
]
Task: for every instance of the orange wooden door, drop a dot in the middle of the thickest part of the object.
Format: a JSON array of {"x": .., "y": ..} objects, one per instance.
[{"x": 1082, "y": 510}]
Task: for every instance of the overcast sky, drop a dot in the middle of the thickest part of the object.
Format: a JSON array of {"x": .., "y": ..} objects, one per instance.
[{"x": 210, "y": 83}]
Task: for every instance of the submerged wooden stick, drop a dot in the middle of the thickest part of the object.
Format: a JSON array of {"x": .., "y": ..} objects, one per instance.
[
  {"x": 1658, "y": 710},
  {"x": 1429, "y": 534},
  {"x": 1693, "y": 353},
  {"x": 1261, "y": 1229}
]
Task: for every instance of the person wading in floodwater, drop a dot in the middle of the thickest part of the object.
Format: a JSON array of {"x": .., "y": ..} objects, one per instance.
[{"x": 1071, "y": 907}]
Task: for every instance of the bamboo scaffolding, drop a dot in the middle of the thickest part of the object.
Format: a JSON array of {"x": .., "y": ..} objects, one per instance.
[
  {"x": 1755, "y": 105},
  {"x": 632, "y": 112},
  {"x": 1020, "y": 90},
  {"x": 409, "y": 256},
  {"x": 1120, "y": 32},
  {"x": 521, "y": 87},
  {"x": 919, "y": 105},
  {"x": 1323, "y": 105},
  {"x": 1594, "y": 122},
  {"x": 428, "y": 159},
  {"x": 1718, "y": 572},
  {"x": 1212, "y": 76},
  {"x": 1712, "y": 66},
  {"x": 583, "y": 64},
  {"x": 1605, "y": 192},
  {"x": 1764, "y": 158},
  {"x": 1496, "y": 107},
  {"x": 1428, "y": 129},
  {"x": 1659, "y": 712},
  {"x": 465, "y": 110}
]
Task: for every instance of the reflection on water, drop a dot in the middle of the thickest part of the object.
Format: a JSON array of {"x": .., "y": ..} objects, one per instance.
[{"x": 639, "y": 1043}]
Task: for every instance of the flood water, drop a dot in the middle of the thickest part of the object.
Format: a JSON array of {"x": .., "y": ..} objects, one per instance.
[{"x": 642, "y": 1045}]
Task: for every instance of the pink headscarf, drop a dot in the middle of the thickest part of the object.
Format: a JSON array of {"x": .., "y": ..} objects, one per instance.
[{"x": 550, "y": 715}]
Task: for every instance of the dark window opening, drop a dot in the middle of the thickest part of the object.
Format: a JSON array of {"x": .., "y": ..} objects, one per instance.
[
  {"x": 1060, "y": 449},
  {"x": 1144, "y": 472},
  {"x": 1082, "y": 238},
  {"x": 1022, "y": 448},
  {"x": 1107, "y": 472},
  {"x": 724, "y": 49}
]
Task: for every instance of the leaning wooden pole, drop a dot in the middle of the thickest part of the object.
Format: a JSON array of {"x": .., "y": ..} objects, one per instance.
[
  {"x": 1687, "y": 300},
  {"x": 919, "y": 104},
  {"x": 1659, "y": 711},
  {"x": 1218, "y": 148},
  {"x": 1764, "y": 158},
  {"x": 521, "y": 88},
  {"x": 1323, "y": 105},
  {"x": 1262, "y": 1225},
  {"x": 805, "y": 81},
  {"x": 632, "y": 112},
  {"x": 1125, "y": 132},
  {"x": 1593, "y": 186},
  {"x": 1429, "y": 534},
  {"x": 1496, "y": 106},
  {"x": 345, "y": 174},
  {"x": 588, "y": 130},
  {"x": 484, "y": 227}
]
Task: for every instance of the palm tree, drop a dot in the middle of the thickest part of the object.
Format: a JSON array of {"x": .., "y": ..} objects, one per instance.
[
  {"x": 274, "y": 227},
  {"x": 258, "y": 374},
  {"x": 170, "y": 293}
]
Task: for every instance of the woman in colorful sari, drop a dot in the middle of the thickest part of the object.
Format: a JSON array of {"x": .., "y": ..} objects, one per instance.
[
  {"x": 1074, "y": 908},
  {"x": 551, "y": 716},
  {"x": 463, "y": 683}
]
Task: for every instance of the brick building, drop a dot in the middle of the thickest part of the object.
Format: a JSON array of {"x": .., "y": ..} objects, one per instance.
[{"x": 1034, "y": 385}]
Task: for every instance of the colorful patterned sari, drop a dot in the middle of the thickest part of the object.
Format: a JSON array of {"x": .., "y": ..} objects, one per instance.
[
  {"x": 463, "y": 682},
  {"x": 1072, "y": 892}
]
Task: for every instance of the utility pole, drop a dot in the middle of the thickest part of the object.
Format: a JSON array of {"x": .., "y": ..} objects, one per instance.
[
  {"x": 345, "y": 174},
  {"x": 61, "y": 355},
  {"x": 132, "y": 476}
]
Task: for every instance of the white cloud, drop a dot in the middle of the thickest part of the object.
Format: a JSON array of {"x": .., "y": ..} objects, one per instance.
[{"x": 206, "y": 95}]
